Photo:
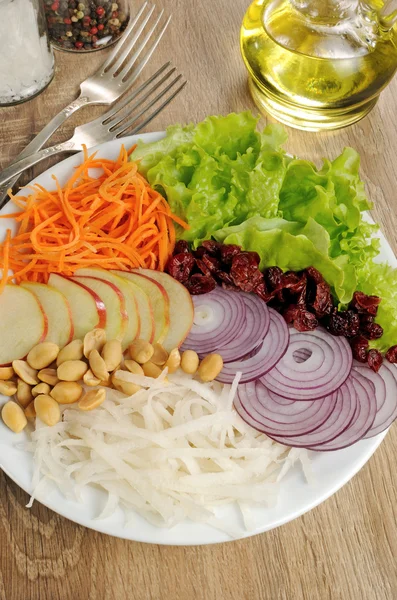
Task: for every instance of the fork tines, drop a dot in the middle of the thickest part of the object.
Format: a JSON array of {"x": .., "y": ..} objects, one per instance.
[
  {"x": 143, "y": 32},
  {"x": 155, "y": 93}
]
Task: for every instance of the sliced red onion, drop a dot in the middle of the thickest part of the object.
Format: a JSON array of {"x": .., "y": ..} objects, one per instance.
[
  {"x": 362, "y": 420},
  {"x": 257, "y": 321},
  {"x": 337, "y": 422},
  {"x": 274, "y": 419},
  {"x": 385, "y": 395},
  {"x": 219, "y": 319},
  {"x": 272, "y": 349},
  {"x": 324, "y": 371}
]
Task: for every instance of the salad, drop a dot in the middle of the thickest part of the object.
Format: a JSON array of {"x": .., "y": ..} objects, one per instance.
[{"x": 182, "y": 325}]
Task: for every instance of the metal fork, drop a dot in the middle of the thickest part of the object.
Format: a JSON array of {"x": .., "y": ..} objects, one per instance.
[
  {"x": 113, "y": 124},
  {"x": 111, "y": 80}
]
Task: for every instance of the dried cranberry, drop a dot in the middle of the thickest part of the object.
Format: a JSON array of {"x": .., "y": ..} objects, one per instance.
[
  {"x": 272, "y": 277},
  {"x": 314, "y": 275},
  {"x": 374, "y": 360},
  {"x": 291, "y": 313},
  {"x": 228, "y": 252},
  {"x": 372, "y": 331},
  {"x": 180, "y": 266},
  {"x": 225, "y": 278},
  {"x": 245, "y": 272},
  {"x": 212, "y": 247},
  {"x": 212, "y": 263},
  {"x": 391, "y": 354},
  {"x": 203, "y": 267},
  {"x": 305, "y": 321},
  {"x": 201, "y": 284},
  {"x": 345, "y": 323},
  {"x": 261, "y": 291},
  {"x": 365, "y": 304},
  {"x": 181, "y": 246},
  {"x": 321, "y": 300},
  {"x": 359, "y": 347}
]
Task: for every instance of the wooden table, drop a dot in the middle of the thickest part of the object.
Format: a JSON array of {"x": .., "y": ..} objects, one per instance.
[{"x": 344, "y": 549}]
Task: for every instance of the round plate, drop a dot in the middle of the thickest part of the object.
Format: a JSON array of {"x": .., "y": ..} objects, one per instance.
[{"x": 331, "y": 469}]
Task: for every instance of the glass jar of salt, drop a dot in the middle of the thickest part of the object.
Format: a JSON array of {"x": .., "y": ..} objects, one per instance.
[{"x": 26, "y": 57}]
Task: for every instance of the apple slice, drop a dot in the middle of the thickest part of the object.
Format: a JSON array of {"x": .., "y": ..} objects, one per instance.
[
  {"x": 159, "y": 299},
  {"x": 131, "y": 304},
  {"x": 114, "y": 301},
  {"x": 87, "y": 308},
  {"x": 181, "y": 308},
  {"x": 56, "y": 307},
  {"x": 23, "y": 323}
]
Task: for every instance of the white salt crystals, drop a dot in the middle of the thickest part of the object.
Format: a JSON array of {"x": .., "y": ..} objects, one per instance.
[{"x": 26, "y": 58}]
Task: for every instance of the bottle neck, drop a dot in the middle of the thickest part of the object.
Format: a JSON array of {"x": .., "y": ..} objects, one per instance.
[{"x": 327, "y": 11}]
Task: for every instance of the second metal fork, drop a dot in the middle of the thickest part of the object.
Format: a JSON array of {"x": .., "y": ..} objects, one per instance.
[{"x": 115, "y": 123}]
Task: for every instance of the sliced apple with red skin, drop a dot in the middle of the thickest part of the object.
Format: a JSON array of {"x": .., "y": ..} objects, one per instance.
[
  {"x": 58, "y": 312},
  {"x": 87, "y": 308},
  {"x": 114, "y": 301},
  {"x": 181, "y": 308},
  {"x": 131, "y": 304},
  {"x": 23, "y": 323},
  {"x": 159, "y": 299}
]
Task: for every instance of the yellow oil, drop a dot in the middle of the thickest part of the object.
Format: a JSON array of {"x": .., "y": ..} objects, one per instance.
[{"x": 313, "y": 69}]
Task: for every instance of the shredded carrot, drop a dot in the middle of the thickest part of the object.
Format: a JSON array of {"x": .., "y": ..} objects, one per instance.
[{"x": 114, "y": 220}]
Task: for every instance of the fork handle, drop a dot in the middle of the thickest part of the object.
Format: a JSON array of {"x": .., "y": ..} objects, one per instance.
[
  {"x": 41, "y": 138},
  {"x": 25, "y": 163}
]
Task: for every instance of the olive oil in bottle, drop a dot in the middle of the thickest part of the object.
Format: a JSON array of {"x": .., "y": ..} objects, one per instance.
[{"x": 318, "y": 64}]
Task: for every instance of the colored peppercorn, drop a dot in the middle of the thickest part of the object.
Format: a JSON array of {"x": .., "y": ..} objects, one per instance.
[{"x": 85, "y": 24}]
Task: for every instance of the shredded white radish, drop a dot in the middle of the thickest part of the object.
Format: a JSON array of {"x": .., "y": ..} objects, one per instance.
[{"x": 176, "y": 449}]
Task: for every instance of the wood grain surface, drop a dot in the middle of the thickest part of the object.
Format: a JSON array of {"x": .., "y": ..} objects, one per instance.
[{"x": 344, "y": 549}]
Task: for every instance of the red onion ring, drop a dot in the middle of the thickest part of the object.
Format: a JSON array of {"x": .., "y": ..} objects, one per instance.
[
  {"x": 257, "y": 322},
  {"x": 338, "y": 421},
  {"x": 274, "y": 419},
  {"x": 362, "y": 420},
  {"x": 269, "y": 353},
  {"x": 326, "y": 369},
  {"x": 386, "y": 396},
  {"x": 223, "y": 321}
]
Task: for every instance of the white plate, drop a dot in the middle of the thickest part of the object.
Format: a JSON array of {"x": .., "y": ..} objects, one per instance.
[{"x": 331, "y": 469}]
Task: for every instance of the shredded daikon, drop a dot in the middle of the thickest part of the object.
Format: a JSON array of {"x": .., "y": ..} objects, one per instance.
[{"x": 176, "y": 449}]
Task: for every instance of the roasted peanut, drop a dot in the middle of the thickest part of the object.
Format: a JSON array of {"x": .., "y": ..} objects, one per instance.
[
  {"x": 25, "y": 372},
  {"x": 73, "y": 351},
  {"x": 112, "y": 354},
  {"x": 72, "y": 370},
  {"x": 151, "y": 370},
  {"x": 8, "y": 388},
  {"x": 190, "y": 362},
  {"x": 174, "y": 361},
  {"x": 210, "y": 367},
  {"x": 160, "y": 355},
  {"x": 24, "y": 393},
  {"x": 98, "y": 366},
  {"x": 127, "y": 387},
  {"x": 67, "y": 392},
  {"x": 90, "y": 379},
  {"x": 30, "y": 412},
  {"x": 47, "y": 409},
  {"x": 48, "y": 376},
  {"x": 41, "y": 388},
  {"x": 92, "y": 399},
  {"x": 6, "y": 373},
  {"x": 13, "y": 416},
  {"x": 42, "y": 355},
  {"x": 94, "y": 340},
  {"x": 141, "y": 351},
  {"x": 133, "y": 367}
]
